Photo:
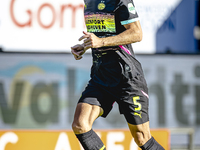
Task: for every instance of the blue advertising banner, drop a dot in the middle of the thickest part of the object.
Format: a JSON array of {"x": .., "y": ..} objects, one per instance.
[{"x": 176, "y": 35}]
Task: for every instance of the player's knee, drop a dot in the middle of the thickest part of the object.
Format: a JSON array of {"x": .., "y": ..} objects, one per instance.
[
  {"x": 80, "y": 127},
  {"x": 141, "y": 137}
]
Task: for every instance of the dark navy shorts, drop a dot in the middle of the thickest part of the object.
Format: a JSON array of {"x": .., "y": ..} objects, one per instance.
[{"x": 118, "y": 77}]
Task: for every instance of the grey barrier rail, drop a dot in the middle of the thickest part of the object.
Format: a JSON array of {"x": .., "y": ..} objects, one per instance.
[{"x": 184, "y": 131}]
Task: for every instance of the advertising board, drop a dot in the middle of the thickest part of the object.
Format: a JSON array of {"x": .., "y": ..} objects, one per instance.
[
  {"x": 56, "y": 25},
  {"x": 66, "y": 140},
  {"x": 40, "y": 91}
]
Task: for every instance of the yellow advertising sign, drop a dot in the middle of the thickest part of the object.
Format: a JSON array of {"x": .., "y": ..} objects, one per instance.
[{"x": 66, "y": 140}]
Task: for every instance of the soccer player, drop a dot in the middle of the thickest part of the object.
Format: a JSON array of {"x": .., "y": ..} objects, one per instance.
[{"x": 116, "y": 75}]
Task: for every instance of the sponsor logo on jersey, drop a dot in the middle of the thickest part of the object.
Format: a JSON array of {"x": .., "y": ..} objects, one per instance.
[
  {"x": 100, "y": 23},
  {"x": 138, "y": 114},
  {"x": 131, "y": 8}
]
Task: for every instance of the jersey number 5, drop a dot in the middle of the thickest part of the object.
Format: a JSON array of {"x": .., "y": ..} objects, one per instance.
[{"x": 135, "y": 102}]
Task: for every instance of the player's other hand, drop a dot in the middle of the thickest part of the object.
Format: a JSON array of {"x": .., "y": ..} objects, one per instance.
[
  {"x": 78, "y": 51},
  {"x": 91, "y": 40}
]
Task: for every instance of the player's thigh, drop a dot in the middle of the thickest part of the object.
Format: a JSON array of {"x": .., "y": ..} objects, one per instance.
[
  {"x": 141, "y": 132},
  {"x": 84, "y": 116}
]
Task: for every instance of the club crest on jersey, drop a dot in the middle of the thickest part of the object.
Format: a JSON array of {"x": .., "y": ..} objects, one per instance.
[
  {"x": 101, "y": 6},
  {"x": 131, "y": 8}
]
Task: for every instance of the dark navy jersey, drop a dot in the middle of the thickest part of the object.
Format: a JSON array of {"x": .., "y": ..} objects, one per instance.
[{"x": 106, "y": 18}]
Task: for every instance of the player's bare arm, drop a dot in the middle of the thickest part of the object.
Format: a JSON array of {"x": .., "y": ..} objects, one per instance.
[{"x": 132, "y": 34}]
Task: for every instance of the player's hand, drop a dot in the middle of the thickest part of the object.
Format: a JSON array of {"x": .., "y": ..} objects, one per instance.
[
  {"x": 77, "y": 51},
  {"x": 91, "y": 40}
]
